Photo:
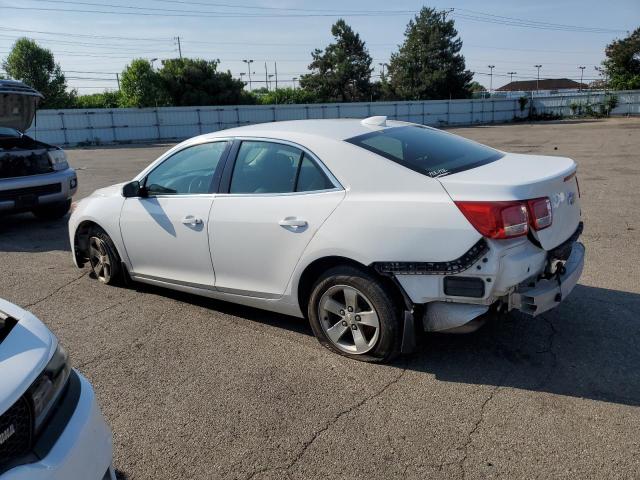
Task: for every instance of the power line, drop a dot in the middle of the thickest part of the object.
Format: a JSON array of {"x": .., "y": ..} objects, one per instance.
[{"x": 153, "y": 11}]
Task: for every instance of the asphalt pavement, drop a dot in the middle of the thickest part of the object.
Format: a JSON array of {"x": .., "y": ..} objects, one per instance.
[{"x": 197, "y": 388}]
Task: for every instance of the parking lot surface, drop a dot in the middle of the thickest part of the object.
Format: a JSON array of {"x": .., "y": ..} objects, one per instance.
[{"x": 197, "y": 388}]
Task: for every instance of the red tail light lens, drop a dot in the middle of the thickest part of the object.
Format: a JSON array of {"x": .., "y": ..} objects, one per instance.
[
  {"x": 497, "y": 219},
  {"x": 540, "y": 213}
]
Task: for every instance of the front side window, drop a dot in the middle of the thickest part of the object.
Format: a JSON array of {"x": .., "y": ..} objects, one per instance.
[
  {"x": 427, "y": 150},
  {"x": 189, "y": 171}
]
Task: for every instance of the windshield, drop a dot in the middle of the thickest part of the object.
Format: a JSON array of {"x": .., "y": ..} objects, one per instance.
[
  {"x": 427, "y": 150},
  {"x": 9, "y": 132}
]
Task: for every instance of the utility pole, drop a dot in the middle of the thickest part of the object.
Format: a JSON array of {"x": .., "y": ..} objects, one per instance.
[
  {"x": 275, "y": 67},
  {"x": 266, "y": 76},
  {"x": 538, "y": 80},
  {"x": 177, "y": 39},
  {"x": 491, "y": 67},
  {"x": 511, "y": 74},
  {"x": 383, "y": 65},
  {"x": 581, "y": 77},
  {"x": 271, "y": 75},
  {"x": 118, "y": 80},
  {"x": 249, "y": 62}
]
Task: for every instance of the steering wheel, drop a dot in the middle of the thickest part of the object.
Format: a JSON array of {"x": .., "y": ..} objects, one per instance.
[{"x": 198, "y": 185}]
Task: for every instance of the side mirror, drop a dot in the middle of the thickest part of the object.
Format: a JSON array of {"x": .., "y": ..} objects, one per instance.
[{"x": 132, "y": 189}]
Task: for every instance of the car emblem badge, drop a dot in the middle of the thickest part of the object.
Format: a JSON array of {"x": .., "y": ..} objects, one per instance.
[{"x": 7, "y": 434}]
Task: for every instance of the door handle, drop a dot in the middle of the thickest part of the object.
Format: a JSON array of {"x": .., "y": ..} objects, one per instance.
[
  {"x": 191, "y": 220},
  {"x": 292, "y": 222}
]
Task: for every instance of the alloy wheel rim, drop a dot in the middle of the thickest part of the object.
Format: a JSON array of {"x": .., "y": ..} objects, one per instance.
[
  {"x": 348, "y": 319},
  {"x": 99, "y": 259}
]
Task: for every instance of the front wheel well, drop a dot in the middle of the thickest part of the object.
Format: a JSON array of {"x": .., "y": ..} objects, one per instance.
[
  {"x": 315, "y": 269},
  {"x": 81, "y": 240}
]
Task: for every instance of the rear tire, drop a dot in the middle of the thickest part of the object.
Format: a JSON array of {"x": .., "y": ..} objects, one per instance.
[
  {"x": 351, "y": 313},
  {"x": 103, "y": 258},
  {"x": 53, "y": 211}
]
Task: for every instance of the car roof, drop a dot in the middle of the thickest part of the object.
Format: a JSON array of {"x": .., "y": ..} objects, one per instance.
[{"x": 334, "y": 129}]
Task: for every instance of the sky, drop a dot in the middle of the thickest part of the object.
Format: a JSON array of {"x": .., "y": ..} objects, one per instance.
[{"x": 93, "y": 40}]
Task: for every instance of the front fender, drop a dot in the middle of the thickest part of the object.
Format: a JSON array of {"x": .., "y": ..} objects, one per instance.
[{"x": 103, "y": 211}]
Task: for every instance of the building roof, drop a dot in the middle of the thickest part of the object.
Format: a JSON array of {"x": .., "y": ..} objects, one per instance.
[{"x": 543, "y": 84}]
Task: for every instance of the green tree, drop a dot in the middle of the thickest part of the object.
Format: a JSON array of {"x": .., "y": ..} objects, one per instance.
[
  {"x": 36, "y": 66},
  {"x": 190, "y": 82},
  {"x": 99, "y": 100},
  {"x": 622, "y": 64},
  {"x": 476, "y": 87},
  {"x": 342, "y": 73},
  {"x": 287, "y": 96},
  {"x": 428, "y": 64},
  {"x": 141, "y": 86}
]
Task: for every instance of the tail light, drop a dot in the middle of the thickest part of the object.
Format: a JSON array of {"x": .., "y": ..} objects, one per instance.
[
  {"x": 540, "y": 213},
  {"x": 497, "y": 219}
]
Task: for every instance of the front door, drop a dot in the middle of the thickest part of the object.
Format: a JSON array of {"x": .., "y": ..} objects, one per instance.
[{"x": 165, "y": 231}]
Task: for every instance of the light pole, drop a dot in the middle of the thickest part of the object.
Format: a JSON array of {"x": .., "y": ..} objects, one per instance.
[
  {"x": 294, "y": 82},
  {"x": 242, "y": 74},
  {"x": 151, "y": 61},
  {"x": 491, "y": 67},
  {"x": 581, "y": 77},
  {"x": 271, "y": 75},
  {"x": 383, "y": 65},
  {"x": 511, "y": 74},
  {"x": 538, "y": 80},
  {"x": 249, "y": 62}
]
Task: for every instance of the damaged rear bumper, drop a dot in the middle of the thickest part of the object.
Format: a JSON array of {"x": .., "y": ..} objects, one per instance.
[{"x": 545, "y": 294}]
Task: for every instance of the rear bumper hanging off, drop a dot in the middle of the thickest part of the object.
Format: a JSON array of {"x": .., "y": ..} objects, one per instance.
[{"x": 548, "y": 293}]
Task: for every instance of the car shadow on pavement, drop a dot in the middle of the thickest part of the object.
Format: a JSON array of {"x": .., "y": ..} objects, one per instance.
[
  {"x": 26, "y": 233},
  {"x": 588, "y": 347}
]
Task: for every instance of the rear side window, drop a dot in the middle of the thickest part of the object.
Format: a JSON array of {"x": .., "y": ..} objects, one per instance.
[
  {"x": 311, "y": 177},
  {"x": 268, "y": 167},
  {"x": 427, "y": 150}
]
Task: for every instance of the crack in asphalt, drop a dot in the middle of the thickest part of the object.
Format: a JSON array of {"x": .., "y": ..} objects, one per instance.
[
  {"x": 549, "y": 350},
  {"x": 306, "y": 445},
  {"x": 476, "y": 426},
  {"x": 49, "y": 295}
]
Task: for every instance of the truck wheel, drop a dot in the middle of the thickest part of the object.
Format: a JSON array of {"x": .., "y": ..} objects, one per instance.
[
  {"x": 53, "y": 211},
  {"x": 351, "y": 313}
]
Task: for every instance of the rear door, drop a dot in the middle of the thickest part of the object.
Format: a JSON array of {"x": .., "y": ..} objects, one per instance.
[
  {"x": 165, "y": 232},
  {"x": 277, "y": 196}
]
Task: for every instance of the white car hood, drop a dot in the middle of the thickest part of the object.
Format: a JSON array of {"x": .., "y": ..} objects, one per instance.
[
  {"x": 24, "y": 354},
  {"x": 110, "y": 191}
]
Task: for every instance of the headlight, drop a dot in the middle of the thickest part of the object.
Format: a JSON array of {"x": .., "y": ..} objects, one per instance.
[
  {"x": 58, "y": 159},
  {"x": 46, "y": 389}
]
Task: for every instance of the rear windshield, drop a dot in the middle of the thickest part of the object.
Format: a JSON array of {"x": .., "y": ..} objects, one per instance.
[{"x": 427, "y": 150}]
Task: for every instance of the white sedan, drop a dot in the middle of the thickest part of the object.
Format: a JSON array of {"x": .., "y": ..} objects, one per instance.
[{"x": 374, "y": 230}]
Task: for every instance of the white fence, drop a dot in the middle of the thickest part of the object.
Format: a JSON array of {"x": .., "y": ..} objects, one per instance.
[{"x": 131, "y": 125}]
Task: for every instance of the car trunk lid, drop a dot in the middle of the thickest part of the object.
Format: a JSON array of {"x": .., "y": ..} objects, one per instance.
[{"x": 524, "y": 177}]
